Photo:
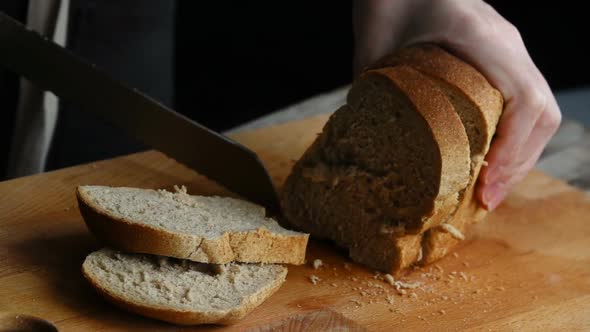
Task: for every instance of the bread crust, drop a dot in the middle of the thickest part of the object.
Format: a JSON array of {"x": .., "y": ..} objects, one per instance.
[
  {"x": 437, "y": 63},
  {"x": 259, "y": 246},
  {"x": 395, "y": 252},
  {"x": 372, "y": 243},
  {"x": 188, "y": 317},
  {"x": 474, "y": 88}
]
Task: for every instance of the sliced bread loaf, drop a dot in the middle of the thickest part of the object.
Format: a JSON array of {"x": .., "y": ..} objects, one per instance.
[
  {"x": 388, "y": 165},
  {"x": 479, "y": 106},
  {"x": 181, "y": 291},
  {"x": 203, "y": 229}
]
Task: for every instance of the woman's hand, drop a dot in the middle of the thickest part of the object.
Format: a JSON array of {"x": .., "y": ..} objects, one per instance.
[{"x": 477, "y": 33}]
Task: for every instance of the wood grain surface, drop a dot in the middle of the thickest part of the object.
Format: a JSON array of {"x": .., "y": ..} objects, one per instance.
[{"x": 526, "y": 268}]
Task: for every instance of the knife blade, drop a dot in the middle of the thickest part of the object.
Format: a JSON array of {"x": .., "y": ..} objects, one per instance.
[{"x": 53, "y": 68}]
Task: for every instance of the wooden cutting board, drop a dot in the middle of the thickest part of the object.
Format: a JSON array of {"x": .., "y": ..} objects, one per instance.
[{"x": 527, "y": 268}]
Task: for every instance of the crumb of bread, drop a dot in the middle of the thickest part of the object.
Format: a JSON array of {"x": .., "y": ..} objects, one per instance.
[
  {"x": 484, "y": 163},
  {"x": 317, "y": 263},
  {"x": 390, "y": 299},
  {"x": 501, "y": 288},
  {"x": 407, "y": 285},
  {"x": 455, "y": 254},
  {"x": 419, "y": 255},
  {"x": 464, "y": 276},
  {"x": 335, "y": 181},
  {"x": 453, "y": 231},
  {"x": 334, "y": 284},
  {"x": 414, "y": 295},
  {"x": 314, "y": 279},
  {"x": 347, "y": 266},
  {"x": 442, "y": 311},
  {"x": 466, "y": 264},
  {"x": 389, "y": 278},
  {"x": 181, "y": 190}
]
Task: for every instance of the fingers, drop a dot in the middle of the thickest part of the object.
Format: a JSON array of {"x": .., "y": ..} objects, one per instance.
[
  {"x": 492, "y": 192},
  {"x": 531, "y": 115},
  {"x": 497, "y": 179}
]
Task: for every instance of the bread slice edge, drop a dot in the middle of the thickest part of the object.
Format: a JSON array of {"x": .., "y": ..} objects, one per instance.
[{"x": 256, "y": 246}]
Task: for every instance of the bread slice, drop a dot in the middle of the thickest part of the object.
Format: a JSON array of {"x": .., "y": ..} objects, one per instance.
[
  {"x": 479, "y": 106},
  {"x": 388, "y": 165},
  {"x": 214, "y": 230},
  {"x": 181, "y": 291}
]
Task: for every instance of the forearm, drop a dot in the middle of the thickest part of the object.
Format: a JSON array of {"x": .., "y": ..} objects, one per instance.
[{"x": 379, "y": 26}]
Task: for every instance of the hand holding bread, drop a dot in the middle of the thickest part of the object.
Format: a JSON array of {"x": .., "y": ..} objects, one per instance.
[{"x": 475, "y": 32}]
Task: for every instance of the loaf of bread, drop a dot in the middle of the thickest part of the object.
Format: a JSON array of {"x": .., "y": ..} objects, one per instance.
[
  {"x": 391, "y": 176},
  {"x": 203, "y": 229},
  {"x": 181, "y": 291}
]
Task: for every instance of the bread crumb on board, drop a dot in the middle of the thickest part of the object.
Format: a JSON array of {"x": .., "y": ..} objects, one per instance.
[
  {"x": 463, "y": 275},
  {"x": 314, "y": 279},
  {"x": 317, "y": 263},
  {"x": 453, "y": 231},
  {"x": 390, "y": 299},
  {"x": 389, "y": 279}
]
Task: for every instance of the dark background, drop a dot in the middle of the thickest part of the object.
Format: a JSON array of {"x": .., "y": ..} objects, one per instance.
[
  {"x": 241, "y": 60},
  {"x": 253, "y": 58}
]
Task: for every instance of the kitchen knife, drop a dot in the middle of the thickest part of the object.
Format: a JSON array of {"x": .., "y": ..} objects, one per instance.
[{"x": 53, "y": 68}]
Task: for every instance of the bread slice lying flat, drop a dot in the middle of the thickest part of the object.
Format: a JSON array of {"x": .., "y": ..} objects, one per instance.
[
  {"x": 181, "y": 291},
  {"x": 391, "y": 177},
  {"x": 203, "y": 229}
]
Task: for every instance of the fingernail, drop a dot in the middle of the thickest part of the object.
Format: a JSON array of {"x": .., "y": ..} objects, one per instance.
[
  {"x": 493, "y": 174},
  {"x": 493, "y": 195}
]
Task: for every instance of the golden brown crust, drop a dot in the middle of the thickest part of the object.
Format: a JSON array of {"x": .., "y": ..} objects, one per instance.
[
  {"x": 260, "y": 246},
  {"x": 434, "y": 61},
  {"x": 188, "y": 317},
  {"x": 446, "y": 126},
  {"x": 474, "y": 89}
]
